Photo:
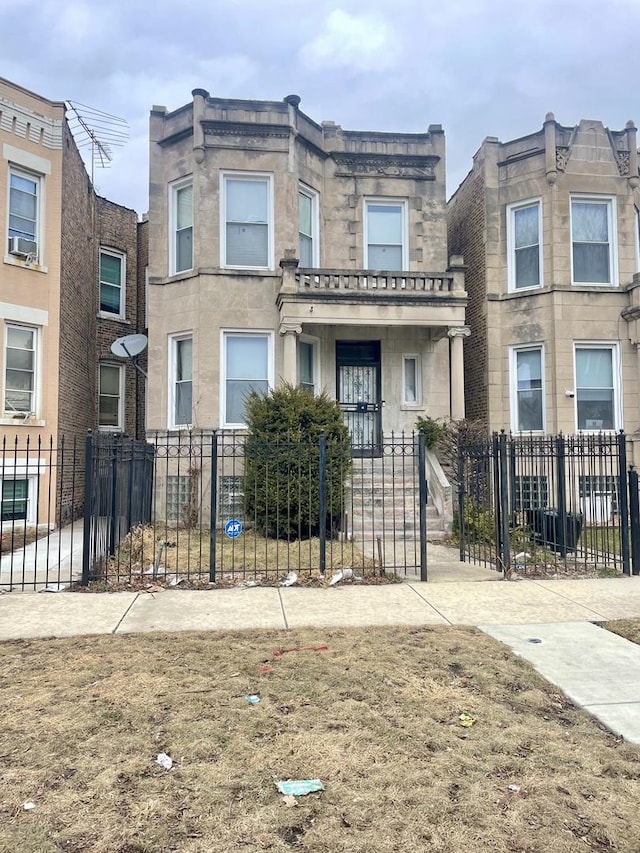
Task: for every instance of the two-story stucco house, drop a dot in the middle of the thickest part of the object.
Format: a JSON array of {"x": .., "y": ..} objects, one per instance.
[{"x": 286, "y": 250}]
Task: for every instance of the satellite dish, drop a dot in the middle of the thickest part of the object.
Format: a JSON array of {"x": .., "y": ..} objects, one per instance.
[{"x": 129, "y": 346}]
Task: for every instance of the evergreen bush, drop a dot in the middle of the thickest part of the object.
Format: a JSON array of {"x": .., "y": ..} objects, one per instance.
[{"x": 282, "y": 462}]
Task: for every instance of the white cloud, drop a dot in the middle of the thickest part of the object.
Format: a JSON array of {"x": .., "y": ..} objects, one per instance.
[{"x": 361, "y": 42}]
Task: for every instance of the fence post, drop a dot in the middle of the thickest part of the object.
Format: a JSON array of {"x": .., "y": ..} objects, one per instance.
[
  {"x": 113, "y": 508},
  {"x": 88, "y": 493},
  {"x": 322, "y": 510},
  {"x": 422, "y": 486},
  {"x": 561, "y": 526},
  {"x": 504, "y": 544},
  {"x": 634, "y": 514},
  {"x": 213, "y": 511},
  {"x": 624, "y": 501}
]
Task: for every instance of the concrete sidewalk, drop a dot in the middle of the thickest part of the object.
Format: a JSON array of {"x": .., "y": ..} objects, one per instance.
[{"x": 596, "y": 669}]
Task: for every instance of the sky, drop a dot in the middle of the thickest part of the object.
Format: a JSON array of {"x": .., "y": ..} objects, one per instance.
[{"x": 478, "y": 67}]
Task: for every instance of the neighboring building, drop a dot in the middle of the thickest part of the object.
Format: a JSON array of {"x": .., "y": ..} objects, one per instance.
[
  {"x": 548, "y": 225},
  {"x": 285, "y": 250},
  {"x": 69, "y": 285}
]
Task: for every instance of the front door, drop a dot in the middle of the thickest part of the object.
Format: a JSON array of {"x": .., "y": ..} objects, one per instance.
[{"x": 358, "y": 391}]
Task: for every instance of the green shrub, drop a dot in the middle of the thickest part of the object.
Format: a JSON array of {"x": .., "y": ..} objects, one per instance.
[
  {"x": 434, "y": 429},
  {"x": 282, "y": 462}
]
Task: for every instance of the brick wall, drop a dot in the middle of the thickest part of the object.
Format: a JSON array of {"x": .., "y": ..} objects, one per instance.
[{"x": 466, "y": 236}]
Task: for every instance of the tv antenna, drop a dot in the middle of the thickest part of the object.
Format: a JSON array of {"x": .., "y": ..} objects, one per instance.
[
  {"x": 97, "y": 130},
  {"x": 130, "y": 346}
]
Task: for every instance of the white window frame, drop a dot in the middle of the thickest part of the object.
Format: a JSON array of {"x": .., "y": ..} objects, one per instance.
[
  {"x": 513, "y": 387},
  {"x": 314, "y": 197},
  {"x": 224, "y": 335},
  {"x": 172, "y": 379},
  {"x": 314, "y": 343},
  {"x": 174, "y": 188},
  {"x": 616, "y": 369},
  {"x": 226, "y": 175},
  {"x": 417, "y": 403},
  {"x": 122, "y": 257},
  {"x": 612, "y": 226},
  {"x": 37, "y": 348},
  {"x": 121, "y": 376},
  {"x": 512, "y": 209},
  {"x": 28, "y": 175},
  {"x": 32, "y": 498},
  {"x": 372, "y": 201}
]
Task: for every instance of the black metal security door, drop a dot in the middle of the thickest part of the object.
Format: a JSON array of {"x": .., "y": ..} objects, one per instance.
[{"x": 359, "y": 392}]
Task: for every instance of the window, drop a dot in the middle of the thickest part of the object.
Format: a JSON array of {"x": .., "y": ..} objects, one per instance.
[
  {"x": 386, "y": 244},
  {"x": 230, "y": 497},
  {"x": 24, "y": 207},
  {"x": 247, "y": 238},
  {"x": 599, "y": 496},
  {"x": 247, "y": 365},
  {"x": 110, "y": 396},
  {"x": 181, "y": 381},
  {"x": 593, "y": 253},
  {"x": 524, "y": 226},
  {"x": 531, "y": 491},
  {"x": 307, "y": 365},
  {"x": 411, "y": 380},
  {"x": 181, "y": 227},
  {"x": 112, "y": 278},
  {"x": 15, "y": 500},
  {"x": 178, "y": 497},
  {"x": 597, "y": 392},
  {"x": 20, "y": 370},
  {"x": 308, "y": 228},
  {"x": 527, "y": 393}
]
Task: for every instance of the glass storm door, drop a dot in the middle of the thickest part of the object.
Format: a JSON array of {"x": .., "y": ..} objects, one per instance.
[{"x": 358, "y": 385}]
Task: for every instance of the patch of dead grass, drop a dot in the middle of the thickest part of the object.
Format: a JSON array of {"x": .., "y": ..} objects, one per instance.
[
  {"x": 627, "y": 628},
  {"x": 375, "y": 716}
]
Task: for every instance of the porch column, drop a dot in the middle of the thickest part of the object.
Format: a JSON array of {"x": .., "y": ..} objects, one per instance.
[
  {"x": 290, "y": 332},
  {"x": 457, "y": 334}
]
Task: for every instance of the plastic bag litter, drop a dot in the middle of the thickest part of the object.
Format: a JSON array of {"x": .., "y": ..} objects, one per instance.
[
  {"x": 175, "y": 581},
  {"x": 28, "y": 806},
  {"x": 164, "y": 760},
  {"x": 515, "y": 789},
  {"x": 54, "y": 587},
  {"x": 342, "y": 575},
  {"x": 252, "y": 699},
  {"x": 466, "y": 720},
  {"x": 300, "y": 787},
  {"x": 290, "y": 580}
]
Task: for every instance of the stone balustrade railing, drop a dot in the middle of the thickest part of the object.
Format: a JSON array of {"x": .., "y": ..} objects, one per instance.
[{"x": 367, "y": 281}]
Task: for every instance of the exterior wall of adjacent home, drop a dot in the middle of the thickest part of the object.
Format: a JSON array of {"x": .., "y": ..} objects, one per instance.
[
  {"x": 209, "y": 137},
  {"x": 552, "y": 166}
]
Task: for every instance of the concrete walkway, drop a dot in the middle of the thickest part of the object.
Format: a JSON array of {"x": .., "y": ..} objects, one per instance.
[{"x": 596, "y": 669}]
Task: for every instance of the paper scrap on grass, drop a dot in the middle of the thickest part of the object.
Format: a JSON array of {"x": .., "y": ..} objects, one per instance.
[
  {"x": 300, "y": 787},
  {"x": 466, "y": 720},
  {"x": 164, "y": 760}
]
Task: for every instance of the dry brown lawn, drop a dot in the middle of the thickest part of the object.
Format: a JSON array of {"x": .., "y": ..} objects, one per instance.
[
  {"x": 375, "y": 716},
  {"x": 628, "y": 628}
]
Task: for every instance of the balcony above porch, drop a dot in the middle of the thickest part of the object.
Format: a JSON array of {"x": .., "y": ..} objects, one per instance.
[{"x": 372, "y": 297}]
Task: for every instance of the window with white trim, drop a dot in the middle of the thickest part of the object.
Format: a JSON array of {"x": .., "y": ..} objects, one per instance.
[
  {"x": 181, "y": 226},
  {"x": 411, "y": 380},
  {"x": 308, "y": 228},
  {"x": 247, "y": 360},
  {"x": 20, "y": 360},
  {"x": 24, "y": 211},
  {"x": 593, "y": 240},
  {"x": 598, "y": 399},
  {"x": 307, "y": 369},
  {"x": 112, "y": 282},
  {"x": 180, "y": 381},
  {"x": 246, "y": 219},
  {"x": 386, "y": 234},
  {"x": 17, "y": 502},
  {"x": 111, "y": 397},
  {"x": 524, "y": 229},
  {"x": 527, "y": 389}
]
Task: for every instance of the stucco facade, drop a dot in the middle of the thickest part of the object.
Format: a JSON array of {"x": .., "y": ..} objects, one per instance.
[
  {"x": 286, "y": 250},
  {"x": 548, "y": 225}
]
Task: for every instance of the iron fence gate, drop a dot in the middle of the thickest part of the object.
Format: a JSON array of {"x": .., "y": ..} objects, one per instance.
[{"x": 534, "y": 504}]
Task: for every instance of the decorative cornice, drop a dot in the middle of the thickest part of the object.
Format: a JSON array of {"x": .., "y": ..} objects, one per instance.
[
  {"x": 25, "y": 124},
  {"x": 562, "y": 157},
  {"x": 622, "y": 161},
  {"x": 249, "y": 130},
  {"x": 458, "y": 332},
  {"x": 351, "y": 164}
]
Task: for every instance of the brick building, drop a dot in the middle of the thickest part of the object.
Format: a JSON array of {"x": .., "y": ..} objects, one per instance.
[
  {"x": 69, "y": 285},
  {"x": 286, "y": 250},
  {"x": 548, "y": 225}
]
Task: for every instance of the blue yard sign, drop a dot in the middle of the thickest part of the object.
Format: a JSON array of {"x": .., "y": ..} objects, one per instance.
[{"x": 233, "y": 528}]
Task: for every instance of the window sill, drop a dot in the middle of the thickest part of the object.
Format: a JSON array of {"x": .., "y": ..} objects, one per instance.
[
  {"x": 411, "y": 407},
  {"x": 16, "y": 262},
  {"x": 20, "y": 421},
  {"x": 117, "y": 318},
  {"x": 114, "y": 430}
]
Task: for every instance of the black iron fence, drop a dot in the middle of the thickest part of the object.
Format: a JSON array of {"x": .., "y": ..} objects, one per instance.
[{"x": 546, "y": 504}]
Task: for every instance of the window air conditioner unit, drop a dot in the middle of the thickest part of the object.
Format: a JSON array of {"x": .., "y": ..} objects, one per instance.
[{"x": 22, "y": 247}]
